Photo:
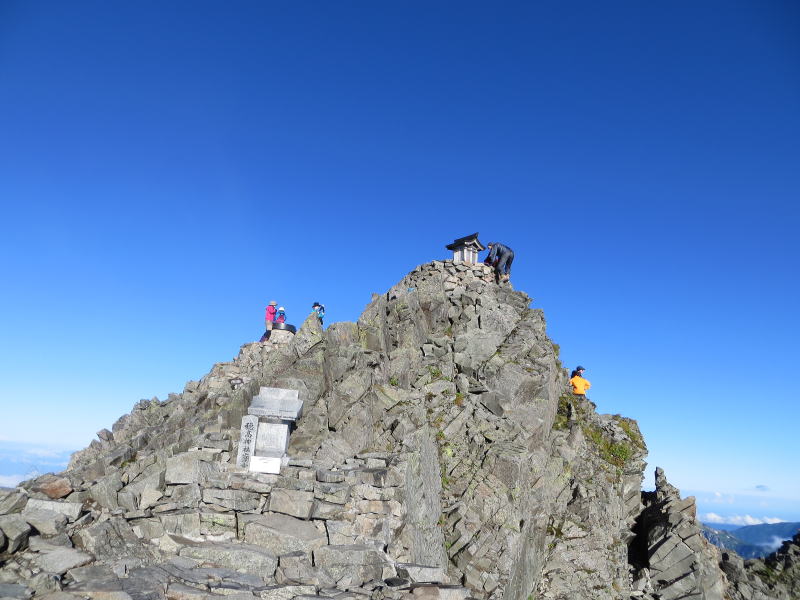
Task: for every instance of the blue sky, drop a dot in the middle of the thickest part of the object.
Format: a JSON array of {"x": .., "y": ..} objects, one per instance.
[{"x": 167, "y": 169}]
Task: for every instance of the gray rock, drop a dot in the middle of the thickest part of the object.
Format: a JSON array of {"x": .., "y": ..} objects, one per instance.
[
  {"x": 62, "y": 560},
  {"x": 104, "y": 492},
  {"x": 111, "y": 539},
  {"x": 52, "y": 486},
  {"x": 15, "y": 590},
  {"x": 212, "y": 523},
  {"x": 421, "y": 573},
  {"x": 149, "y": 498},
  {"x": 45, "y": 522},
  {"x": 72, "y": 510},
  {"x": 440, "y": 592},
  {"x": 189, "y": 467},
  {"x": 11, "y": 502},
  {"x": 238, "y": 500},
  {"x": 326, "y": 476},
  {"x": 58, "y": 596},
  {"x": 91, "y": 573},
  {"x": 16, "y": 531},
  {"x": 336, "y": 493},
  {"x": 38, "y": 543},
  {"x": 281, "y": 534},
  {"x": 295, "y": 503},
  {"x": 351, "y": 565},
  {"x": 186, "y": 524},
  {"x": 296, "y": 567},
  {"x": 286, "y": 592},
  {"x": 242, "y": 557}
]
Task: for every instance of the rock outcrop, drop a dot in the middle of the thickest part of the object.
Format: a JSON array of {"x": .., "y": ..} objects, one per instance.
[{"x": 438, "y": 456}]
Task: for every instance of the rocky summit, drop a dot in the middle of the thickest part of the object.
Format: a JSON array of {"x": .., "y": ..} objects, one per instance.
[{"x": 438, "y": 455}]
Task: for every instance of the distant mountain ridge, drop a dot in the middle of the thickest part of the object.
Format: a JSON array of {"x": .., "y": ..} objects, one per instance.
[{"x": 751, "y": 541}]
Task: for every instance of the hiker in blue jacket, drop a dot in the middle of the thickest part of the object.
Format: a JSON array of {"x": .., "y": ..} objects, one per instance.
[
  {"x": 320, "y": 310},
  {"x": 500, "y": 257}
]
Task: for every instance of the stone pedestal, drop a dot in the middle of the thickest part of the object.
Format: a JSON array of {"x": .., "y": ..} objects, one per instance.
[{"x": 265, "y": 429}]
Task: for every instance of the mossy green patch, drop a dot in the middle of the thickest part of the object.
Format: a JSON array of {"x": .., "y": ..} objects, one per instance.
[{"x": 616, "y": 453}]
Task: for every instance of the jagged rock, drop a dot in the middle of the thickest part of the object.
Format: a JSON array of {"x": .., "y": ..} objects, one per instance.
[
  {"x": 16, "y": 531},
  {"x": 281, "y": 534},
  {"x": 681, "y": 563},
  {"x": 242, "y": 557},
  {"x": 192, "y": 467},
  {"x": 295, "y": 503},
  {"x": 110, "y": 540},
  {"x": 11, "y": 502},
  {"x": 351, "y": 565},
  {"x": 15, "y": 590},
  {"x": 58, "y": 596},
  {"x": 421, "y": 573},
  {"x": 287, "y": 592},
  {"x": 52, "y": 486},
  {"x": 440, "y": 592},
  {"x": 91, "y": 573},
  {"x": 238, "y": 500},
  {"x": 62, "y": 560},
  {"x": 437, "y": 444},
  {"x": 150, "y": 497},
  {"x": 71, "y": 510},
  {"x": 186, "y": 524},
  {"x": 296, "y": 568},
  {"x": 104, "y": 492}
]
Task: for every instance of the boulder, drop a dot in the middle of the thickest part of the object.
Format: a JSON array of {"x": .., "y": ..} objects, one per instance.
[
  {"x": 242, "y": 557},
  {"x": 238, "y": 500},
  {"x": 11, "y": 502},
  {"x": 295, "y": 503},
  {"x": 281, "y": 534},
  {"x": 72, "y": 510},
  {"x": 61, "y": 560},
  {"x": 52, "y": 486},
  {"x": 15, "y": 590},
  {"x": 351, "y": 565},
  {"x": 189, "y": 467},
  {"x": 46, "y": 522},
  {"x": 16, "y": 530}
]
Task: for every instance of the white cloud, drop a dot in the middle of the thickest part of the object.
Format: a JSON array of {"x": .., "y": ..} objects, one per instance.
[
  {"x": 719, "y": 498},
  {"x": 773, "y": 544},
  {"x": 738, "y": 519},
  {"x": 45, "y": 452},
  {"x": 11, "y": 480}
]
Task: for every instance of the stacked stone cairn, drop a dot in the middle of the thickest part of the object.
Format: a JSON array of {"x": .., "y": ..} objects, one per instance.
[{"x": 437, "y": 455}]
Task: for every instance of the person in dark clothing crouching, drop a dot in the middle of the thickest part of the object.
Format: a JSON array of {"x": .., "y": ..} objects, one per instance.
[{"x": 500, "y": 257}]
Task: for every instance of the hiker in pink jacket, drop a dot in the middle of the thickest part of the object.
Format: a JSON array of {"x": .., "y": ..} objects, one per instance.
[{"x": 269, "y": 320}]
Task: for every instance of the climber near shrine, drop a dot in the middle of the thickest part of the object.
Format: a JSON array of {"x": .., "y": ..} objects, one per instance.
[
  {"x": 578, "y": 383},
  {"x": 500, "y": 257},
  {"x": 269, "y": 320}
]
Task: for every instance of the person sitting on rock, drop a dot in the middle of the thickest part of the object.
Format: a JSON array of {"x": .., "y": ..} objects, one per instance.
[
  {"x": 320, "y": 310},
  {"x": 269, "y": 320},
  {"x": 500, "y": 257},
  {"x": 578, "y": 383},
  {"x": 281, "y": 316}
]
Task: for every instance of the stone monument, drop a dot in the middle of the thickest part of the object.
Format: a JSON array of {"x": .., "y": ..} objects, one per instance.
[{"x": 265, "y": 429}]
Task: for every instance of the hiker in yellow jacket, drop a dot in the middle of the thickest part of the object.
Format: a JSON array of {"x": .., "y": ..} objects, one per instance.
[{"x": 578, "y": 383}]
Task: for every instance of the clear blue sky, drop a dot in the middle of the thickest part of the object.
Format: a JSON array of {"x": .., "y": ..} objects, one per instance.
[{"x": 166, "y": 169}]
